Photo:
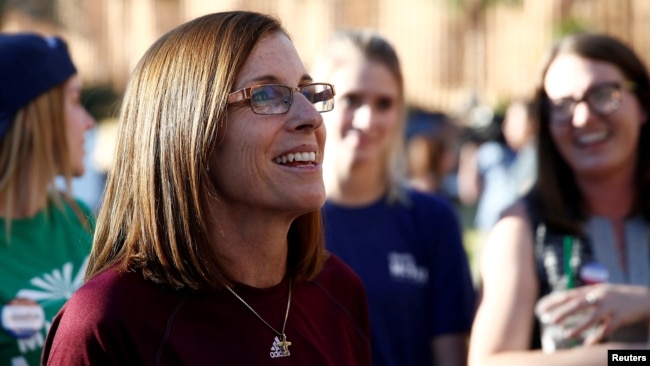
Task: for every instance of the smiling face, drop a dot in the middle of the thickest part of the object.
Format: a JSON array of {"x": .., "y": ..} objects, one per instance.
[
  {"x": 593, "y": 144},
  {"x": 78, "y": 121},
  {"x": 366, "y": 114},
  {"x": 271, "y": 162}
]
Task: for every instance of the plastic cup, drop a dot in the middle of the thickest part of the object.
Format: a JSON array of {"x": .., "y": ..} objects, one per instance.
[{"x": 553, "y": 335}]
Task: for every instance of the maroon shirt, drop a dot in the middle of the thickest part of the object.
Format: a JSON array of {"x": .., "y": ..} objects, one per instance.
[{"x": 121, "y": 319}]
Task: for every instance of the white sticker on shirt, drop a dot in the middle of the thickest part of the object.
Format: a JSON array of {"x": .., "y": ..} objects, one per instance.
[{"x": 404, "y": 267}]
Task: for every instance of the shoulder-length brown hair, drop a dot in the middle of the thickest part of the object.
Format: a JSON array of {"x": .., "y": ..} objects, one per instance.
[
  {"x": 556, "y": 193},
  {"x": 153, "y": 215}
]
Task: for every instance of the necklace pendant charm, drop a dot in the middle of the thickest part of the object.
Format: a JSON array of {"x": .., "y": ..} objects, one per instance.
[
  {"x": 284, "y": 344},
  {"x": 280, "y": 348}
]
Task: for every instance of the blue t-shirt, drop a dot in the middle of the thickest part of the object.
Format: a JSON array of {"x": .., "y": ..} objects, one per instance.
[
  {"x": 506, "y": 175},
  {"x": 415, "y": 270}
]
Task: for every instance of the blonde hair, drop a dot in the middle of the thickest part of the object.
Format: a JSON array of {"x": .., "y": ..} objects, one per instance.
[
  {"x": 350, "y": 44},
  {"x": 32, "y": 153},
  {"x": 153, "y": 217}
]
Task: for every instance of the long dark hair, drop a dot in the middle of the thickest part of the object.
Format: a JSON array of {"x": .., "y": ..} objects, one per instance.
[{"x": 556, "y": 194}]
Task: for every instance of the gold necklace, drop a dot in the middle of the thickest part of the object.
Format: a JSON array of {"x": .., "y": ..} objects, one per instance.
[{"x": 284, "y": 344}]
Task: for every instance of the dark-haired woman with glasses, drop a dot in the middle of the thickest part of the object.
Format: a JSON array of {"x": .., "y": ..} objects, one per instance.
[
  {"x": 405, "y": 245},
  {"x": 209, "y": 248},
  {"x": 580, "y": 240}
]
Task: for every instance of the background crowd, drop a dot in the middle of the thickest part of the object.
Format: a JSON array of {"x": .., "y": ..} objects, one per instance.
[
  {"x": 463, "y": 63},
  {"x": 447, "y": 194}
]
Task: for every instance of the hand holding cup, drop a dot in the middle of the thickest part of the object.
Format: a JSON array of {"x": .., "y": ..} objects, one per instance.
[{"x": 595, "y": 311}]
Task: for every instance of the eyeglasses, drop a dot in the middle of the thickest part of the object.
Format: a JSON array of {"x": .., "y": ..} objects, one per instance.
[
  {"x": 602, "y": 99},
  {"x": 277, "y": 98}
]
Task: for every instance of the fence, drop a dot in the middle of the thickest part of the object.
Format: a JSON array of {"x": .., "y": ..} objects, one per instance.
[{"x": 452, "y": 51}]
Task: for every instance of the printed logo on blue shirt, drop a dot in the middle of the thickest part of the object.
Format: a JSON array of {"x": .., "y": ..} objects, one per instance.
[{"x": 404, "y": 267}]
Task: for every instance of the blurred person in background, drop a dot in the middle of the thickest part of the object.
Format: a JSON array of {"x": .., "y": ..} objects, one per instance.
[
  {"x": 89, "y": 187},
  {"x": 494, "y": 173},
  {"x": 45, "y": 233},
  {"x": 582, "y": 232},
  {"x": 405, "y": 245},
  {"x": 209, "y": 247},
  {"x": 432, "y": 157}
]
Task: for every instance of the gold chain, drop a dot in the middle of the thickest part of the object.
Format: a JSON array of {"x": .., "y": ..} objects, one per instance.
[{"x": 284, "y": 344}]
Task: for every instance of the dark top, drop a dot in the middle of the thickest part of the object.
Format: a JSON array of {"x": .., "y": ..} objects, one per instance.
[
  {"x": 122, "y": 319},
  {"x": 413, "y": 264},
  {"x": 567, "y": 261}
]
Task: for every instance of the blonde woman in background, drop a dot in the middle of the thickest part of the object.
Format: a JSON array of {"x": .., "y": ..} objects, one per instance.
[
  {"x": 405, "y": 245},
  {"x": 45, "y": 234}
]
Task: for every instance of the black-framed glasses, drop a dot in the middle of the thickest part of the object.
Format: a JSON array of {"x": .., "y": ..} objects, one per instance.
[
  {"x": 277, "y": 98},
  {"x": 602, "y": 99}
]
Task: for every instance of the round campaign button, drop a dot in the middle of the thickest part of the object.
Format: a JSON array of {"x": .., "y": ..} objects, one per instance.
[
  {"x": 22, "y": 318},
  {"x": 593, "y": 273}
]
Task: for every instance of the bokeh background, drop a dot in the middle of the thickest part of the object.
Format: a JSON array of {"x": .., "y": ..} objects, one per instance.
[
  {"x": 455, "y": 53},
  {"x": 463, "y": 60}
]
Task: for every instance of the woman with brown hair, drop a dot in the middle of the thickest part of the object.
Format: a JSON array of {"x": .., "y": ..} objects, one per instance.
[
  {"x": 209, "y": 246},
  {"x": 582, "y": 233}
]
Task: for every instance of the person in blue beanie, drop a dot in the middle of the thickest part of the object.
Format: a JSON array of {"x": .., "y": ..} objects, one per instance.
[{"x": 45, "y": 234}]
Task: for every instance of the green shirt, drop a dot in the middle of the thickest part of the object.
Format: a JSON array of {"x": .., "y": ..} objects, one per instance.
[{"x": 45, "y": 263}]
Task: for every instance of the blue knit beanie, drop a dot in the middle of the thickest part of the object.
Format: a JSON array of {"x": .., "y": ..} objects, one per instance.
[{"x": 30, "y": 65}]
